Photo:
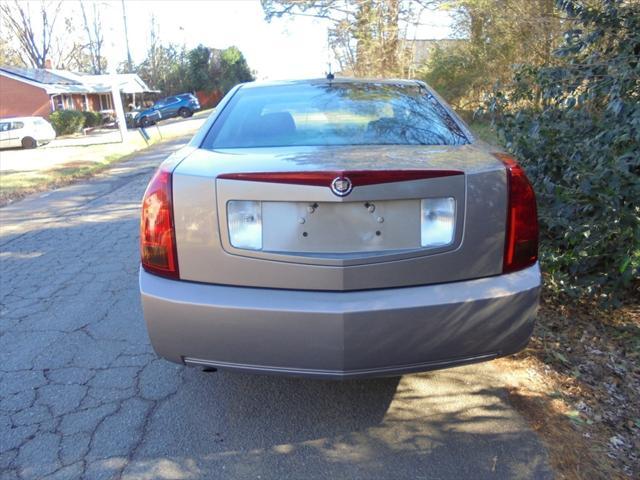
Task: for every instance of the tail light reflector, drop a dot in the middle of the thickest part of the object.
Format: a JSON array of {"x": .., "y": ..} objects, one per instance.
[
  {"x": 157, "y": 232},
  {"x": 521, "y": 240},
  {"x": 437, "y": 221},
  {"x": 245, "y": 224}
]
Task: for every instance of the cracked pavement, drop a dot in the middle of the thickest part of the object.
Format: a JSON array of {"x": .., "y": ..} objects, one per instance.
[{"x": 82, "y": 394}]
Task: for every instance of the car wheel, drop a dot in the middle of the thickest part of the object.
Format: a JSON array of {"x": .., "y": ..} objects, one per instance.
[
  {"x": 145, "y": 122},
  {"x": 28, "y": 142},
  {"x": 185, "y": 112}
]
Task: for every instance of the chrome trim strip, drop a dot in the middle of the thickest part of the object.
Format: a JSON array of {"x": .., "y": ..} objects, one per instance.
[{"x": 341, "y": 374}]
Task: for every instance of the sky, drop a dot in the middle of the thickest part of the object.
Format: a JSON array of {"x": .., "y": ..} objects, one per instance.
[{"x": 295, "y": 47}]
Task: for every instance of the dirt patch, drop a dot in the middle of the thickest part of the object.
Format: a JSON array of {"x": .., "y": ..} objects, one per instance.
[{"x": 578, "y": 384}]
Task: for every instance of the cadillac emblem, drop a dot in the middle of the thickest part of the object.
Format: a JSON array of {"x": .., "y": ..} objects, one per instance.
[{"x": 341, "y": 186}]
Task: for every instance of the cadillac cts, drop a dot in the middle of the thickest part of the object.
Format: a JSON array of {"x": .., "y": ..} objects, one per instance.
[{"x": 338, "y": 228}]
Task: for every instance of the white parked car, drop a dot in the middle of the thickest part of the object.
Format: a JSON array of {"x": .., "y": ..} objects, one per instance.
[{"x": 25, "y": 132}]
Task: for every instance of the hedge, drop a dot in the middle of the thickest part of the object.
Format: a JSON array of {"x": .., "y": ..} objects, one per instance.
[
  {"x": 66, "y": 122},
  {"x": 575, "y": 126},
  {"x": 92, "y": 119}
]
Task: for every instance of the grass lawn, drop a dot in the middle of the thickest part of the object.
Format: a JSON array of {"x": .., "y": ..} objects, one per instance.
[
  {"x": 17, "y": 184},
  {"x": 81, "y": 162},
  {"x": 14, "y": 186}
]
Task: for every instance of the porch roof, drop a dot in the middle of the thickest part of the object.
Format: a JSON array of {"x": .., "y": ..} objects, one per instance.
[{"x": 63, "y": 81}]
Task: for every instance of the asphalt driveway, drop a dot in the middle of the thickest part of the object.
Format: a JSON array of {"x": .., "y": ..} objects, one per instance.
[{"x": 82, "y": 394}]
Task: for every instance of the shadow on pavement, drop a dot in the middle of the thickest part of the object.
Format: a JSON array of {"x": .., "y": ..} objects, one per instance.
[{"x": 433, "y": 425}]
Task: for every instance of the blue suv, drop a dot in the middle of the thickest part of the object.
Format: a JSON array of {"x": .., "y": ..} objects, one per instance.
[{"x": 183, "y": 105}]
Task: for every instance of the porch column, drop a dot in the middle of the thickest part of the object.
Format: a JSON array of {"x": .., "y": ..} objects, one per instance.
[{"x": 117, "y": 105}]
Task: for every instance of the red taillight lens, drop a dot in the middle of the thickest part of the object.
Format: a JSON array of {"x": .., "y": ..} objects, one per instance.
[
  {"x": 157, "y": 232},
  {"x": 521, "y": 242}
]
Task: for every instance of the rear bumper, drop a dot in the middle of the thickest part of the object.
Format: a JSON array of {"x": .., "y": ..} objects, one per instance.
[{"x": 340, "y": 334}]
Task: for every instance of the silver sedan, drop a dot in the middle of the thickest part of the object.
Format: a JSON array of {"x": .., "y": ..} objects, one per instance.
[{"x": 338, "y": 228}]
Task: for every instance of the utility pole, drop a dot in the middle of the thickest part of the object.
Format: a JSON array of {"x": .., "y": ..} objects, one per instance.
[{"x": 126, "y": 39}]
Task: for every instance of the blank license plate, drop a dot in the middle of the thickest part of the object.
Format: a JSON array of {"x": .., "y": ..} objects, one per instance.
[{"x": 341, "y": 227}]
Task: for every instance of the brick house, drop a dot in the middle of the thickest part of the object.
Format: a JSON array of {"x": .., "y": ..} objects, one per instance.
[{"x": 38, "y": 92}]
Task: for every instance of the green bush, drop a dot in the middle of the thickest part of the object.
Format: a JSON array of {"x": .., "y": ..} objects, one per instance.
[
  {"x": 92, "y": 119},
  {"x": 576, "y": 129},
  {"x": 459, "y": 73},
  {"x": 66, "y": 122}
]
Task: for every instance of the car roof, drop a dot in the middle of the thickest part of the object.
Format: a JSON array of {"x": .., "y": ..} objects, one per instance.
[
  {"x": 326, "y": 81},
  {"x": 177, "y": 95}
]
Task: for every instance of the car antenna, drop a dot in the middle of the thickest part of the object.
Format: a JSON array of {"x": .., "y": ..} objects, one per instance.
[{"x": 330, "y": 76}]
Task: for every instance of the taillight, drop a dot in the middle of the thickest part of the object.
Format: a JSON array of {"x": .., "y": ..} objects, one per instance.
[
  {"x": 157, "y": 233},
  {"x": 521, "y": 241}
]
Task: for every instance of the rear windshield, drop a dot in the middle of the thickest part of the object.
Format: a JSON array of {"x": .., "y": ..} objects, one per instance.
[{"x": 333, "y": 114}]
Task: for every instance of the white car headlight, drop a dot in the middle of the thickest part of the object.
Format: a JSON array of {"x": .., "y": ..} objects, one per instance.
[
  {"x": 245, "y": 224},
  {"x": 437, "y": 221}
]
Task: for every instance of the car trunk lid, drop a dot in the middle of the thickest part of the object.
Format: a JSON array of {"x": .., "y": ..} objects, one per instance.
[{"x": 314, "y": 237}]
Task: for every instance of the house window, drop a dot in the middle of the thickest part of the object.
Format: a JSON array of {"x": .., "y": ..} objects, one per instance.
[
  {"x": 68, "y": 102},
  {"x": 55, "y": 102},
  {"x": 105, "y": 101}
]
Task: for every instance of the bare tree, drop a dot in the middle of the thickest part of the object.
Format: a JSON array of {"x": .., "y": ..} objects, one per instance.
[
  {"x": 35, "y": 38},
  {"x": 155, "y": 52},
  {"x": 9, "y": 55},
  {"x": 93, "y": 29},
  {"x": 368, "y": 37}
]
